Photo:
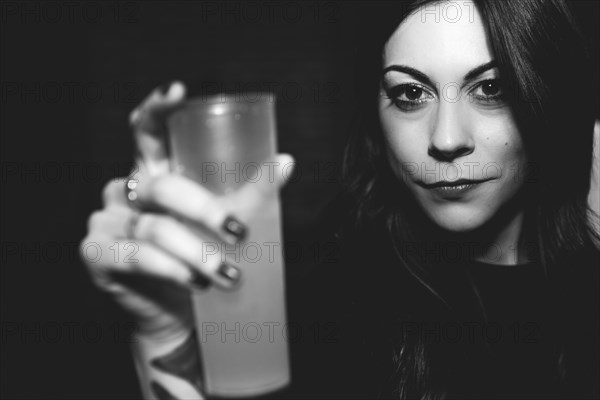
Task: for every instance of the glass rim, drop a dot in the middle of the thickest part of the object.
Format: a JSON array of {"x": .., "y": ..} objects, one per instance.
[{"x": 231, "y": 98}]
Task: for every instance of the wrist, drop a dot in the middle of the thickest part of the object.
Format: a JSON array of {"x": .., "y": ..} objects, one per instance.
[
  {"x": 168, "y": 363},
  {"x": 162, "y": 335}
]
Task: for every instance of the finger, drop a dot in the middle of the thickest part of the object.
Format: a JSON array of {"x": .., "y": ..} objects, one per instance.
[
  {"x": 105, "y": 257},
  {"x": 252, "y": 194},
  {"x": 148, "y": 122},
  {"x": 171, "y": 236},
  {"x": 178, "y": 240},
  {"x": 113, "y": 192},
  {"x": 185, "y": 198},
  {"x": 111, "y": 221}
]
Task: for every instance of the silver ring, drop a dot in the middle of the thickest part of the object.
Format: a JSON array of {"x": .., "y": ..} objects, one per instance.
[
  {"x": 130, "y": 192},
  {"x": 132, "y": 224}
]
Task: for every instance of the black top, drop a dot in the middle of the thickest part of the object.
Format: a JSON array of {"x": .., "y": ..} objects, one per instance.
[
  {"x": 516, "y": 335},
  {"x": 344, "y": 314}
]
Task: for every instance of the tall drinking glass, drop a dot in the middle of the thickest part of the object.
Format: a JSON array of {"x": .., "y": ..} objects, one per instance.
[{"x": 224, "y": 142}]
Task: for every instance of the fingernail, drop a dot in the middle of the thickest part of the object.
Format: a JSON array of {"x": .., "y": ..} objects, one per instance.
[
  {"x": 234, "y": 227},
  {"x": 164, "y": 88},
  {"x": 199, "y": 281},
  {"x": 231, "y": 273}
]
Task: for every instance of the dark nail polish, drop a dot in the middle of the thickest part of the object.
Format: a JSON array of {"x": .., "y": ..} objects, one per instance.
[
  {"x": 234, "y": 227},
  {"x": 164, "y": 88},
  {"x": 199, "y": 280},
  {"x": 229, "y": 272}
]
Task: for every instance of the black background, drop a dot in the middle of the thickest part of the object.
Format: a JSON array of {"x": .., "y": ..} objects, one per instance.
[{"x": 70, "y": 74}]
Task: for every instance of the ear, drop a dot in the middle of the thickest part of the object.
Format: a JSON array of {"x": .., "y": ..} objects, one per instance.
[{"x": 594, "y": 195}]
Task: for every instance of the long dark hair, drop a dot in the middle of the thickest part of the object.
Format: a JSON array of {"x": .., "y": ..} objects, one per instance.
[{"x": 537, "y": 46}]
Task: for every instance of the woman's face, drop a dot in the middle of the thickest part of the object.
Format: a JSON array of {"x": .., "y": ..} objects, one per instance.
[{"x": 448, "y": 133}]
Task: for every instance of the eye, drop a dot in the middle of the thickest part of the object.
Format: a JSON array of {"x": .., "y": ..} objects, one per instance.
[
  {"x": 488, "y": 91},
  {"x": 413, "y": 93},
  {"x": 409, "y": 96}
]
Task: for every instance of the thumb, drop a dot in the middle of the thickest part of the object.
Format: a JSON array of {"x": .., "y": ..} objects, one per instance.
[{"x": 284, "y": 169}]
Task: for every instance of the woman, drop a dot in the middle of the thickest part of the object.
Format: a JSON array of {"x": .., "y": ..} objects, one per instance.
[{"x": 468, "y": 185}]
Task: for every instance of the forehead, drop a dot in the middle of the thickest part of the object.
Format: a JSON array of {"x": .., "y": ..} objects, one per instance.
[{"x": 446, "y": 37}]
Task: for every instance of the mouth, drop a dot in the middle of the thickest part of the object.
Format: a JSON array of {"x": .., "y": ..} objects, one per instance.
[
  {"x": 451, "y": 184},
  {"x": 453, "y": 189}
]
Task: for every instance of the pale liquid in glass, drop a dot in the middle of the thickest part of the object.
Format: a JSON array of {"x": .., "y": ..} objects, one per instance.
[{"x": 242, "y": 333}]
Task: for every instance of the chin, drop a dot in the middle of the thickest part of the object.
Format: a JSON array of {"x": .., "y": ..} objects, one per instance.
[{"x": 458, "y": 218}]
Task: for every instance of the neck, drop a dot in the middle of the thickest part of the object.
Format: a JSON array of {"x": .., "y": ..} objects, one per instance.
[
  {"x": 505, "y": 245},
  {"x": 506, "y": 236}
]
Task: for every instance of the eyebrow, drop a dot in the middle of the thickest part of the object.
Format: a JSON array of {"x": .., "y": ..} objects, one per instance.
[{"x": 423, "y": 78}]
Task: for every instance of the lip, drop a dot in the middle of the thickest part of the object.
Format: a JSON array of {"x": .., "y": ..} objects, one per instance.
[{"x": 453, "y": 190}]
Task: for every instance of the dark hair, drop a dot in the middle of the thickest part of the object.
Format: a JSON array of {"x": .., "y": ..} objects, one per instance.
[{"x": 536, "y": 44}]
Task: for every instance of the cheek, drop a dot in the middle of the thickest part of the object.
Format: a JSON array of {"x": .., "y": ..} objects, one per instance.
[
  {"x": 499, "y": 141},
  {"x": 405, "y": 137}
]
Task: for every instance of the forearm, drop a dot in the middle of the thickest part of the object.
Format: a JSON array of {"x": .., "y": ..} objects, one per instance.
[{"x": 169, "y": 369}]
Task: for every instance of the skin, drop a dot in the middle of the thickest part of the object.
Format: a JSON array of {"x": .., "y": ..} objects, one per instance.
[{"x": 452, "y": 128}]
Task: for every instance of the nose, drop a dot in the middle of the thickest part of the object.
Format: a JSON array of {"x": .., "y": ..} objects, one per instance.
[{"x": 451, "y": 137}]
